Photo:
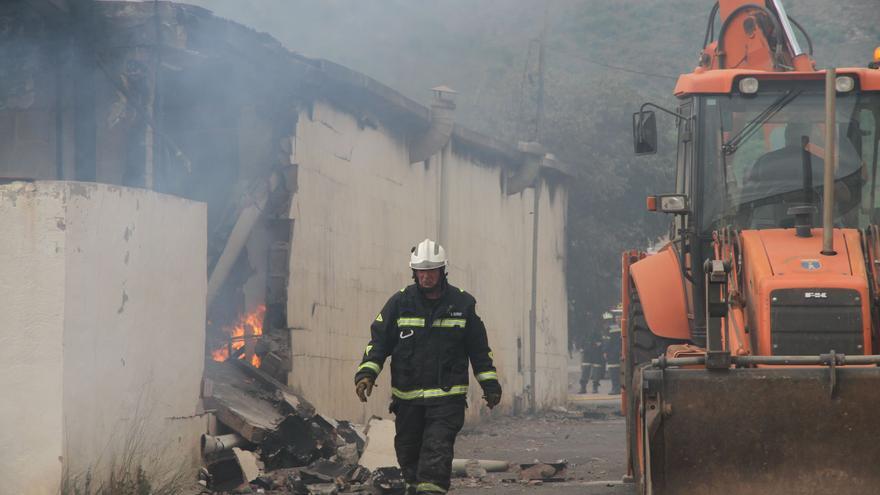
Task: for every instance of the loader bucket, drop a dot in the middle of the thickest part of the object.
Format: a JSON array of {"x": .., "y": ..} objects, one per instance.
[{"x": 779, "y": 430}]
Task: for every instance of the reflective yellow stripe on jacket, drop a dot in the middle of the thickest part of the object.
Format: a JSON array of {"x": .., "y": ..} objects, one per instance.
[
  {"x": 429, "y": 393},
  {"x": 450, "y": 323},
  {"x": 411, "y": 322},
  {"x": 369, "y": 365},
  {"x": 487, "y": 375}
]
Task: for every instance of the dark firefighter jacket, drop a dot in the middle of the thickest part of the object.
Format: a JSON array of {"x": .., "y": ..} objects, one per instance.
[{"x": 429, "y": 348}]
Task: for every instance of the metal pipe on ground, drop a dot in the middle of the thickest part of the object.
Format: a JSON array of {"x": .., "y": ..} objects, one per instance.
[
  {"x": 460, "y": 466},
  {"x": 220, "y": 443}
]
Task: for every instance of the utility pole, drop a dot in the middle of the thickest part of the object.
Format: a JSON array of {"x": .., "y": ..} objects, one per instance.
[
  {"x": 539, "y": 111},
  {"x": 85, "y": 168},
  {"x": 533, "y": 310},
  {"x": 152, "y": 144}
]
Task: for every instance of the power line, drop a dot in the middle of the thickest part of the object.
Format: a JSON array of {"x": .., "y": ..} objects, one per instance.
[{"x": 613, "y": 67}]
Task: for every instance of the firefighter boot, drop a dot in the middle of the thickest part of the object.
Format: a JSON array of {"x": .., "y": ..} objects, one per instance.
[{"x": 615, "y": 382}]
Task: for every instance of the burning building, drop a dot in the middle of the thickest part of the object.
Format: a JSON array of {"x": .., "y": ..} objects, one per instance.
[{"x": 272, "y": 200}]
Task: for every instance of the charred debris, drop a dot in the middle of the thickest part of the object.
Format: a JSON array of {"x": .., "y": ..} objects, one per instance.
[{"x": 264, "y": 436}]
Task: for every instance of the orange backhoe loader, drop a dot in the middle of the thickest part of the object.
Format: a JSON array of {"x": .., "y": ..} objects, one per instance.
[{"x": 750, "y": 340}]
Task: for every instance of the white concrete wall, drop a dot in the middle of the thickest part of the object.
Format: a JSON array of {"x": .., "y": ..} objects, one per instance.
[
  {"x": 360, "y": 206},
  {"x": 122, "y": 347},
  {"x": 32, "y": 252},
  {"x": 489, "y": 238},
  {"x": 552, "y": 300}
]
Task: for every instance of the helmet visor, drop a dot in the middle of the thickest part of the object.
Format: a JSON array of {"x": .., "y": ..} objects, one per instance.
[{"x": 427, "y": 265}]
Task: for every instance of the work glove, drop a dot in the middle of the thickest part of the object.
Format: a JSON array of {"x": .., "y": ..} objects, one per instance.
[
  {"x": 492, "y": 394},
  {"x": 364, "y": 387},
  {"x": 492, "y": 399}
]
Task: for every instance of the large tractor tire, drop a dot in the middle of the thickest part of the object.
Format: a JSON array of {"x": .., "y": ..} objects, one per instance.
[
  {"x": 645, "y": 344},
  {"x": 642, "y": 345}
]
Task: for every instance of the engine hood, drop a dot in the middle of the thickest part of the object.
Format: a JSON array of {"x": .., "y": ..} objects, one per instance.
[
  {"x": 787, "y": 254},
  {"x": 800, "y": 301}
]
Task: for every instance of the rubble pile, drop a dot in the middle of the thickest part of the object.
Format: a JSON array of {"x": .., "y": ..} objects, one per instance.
[
  {"x": 266, "y": 439},
  {"x": 263, "y": 438}
]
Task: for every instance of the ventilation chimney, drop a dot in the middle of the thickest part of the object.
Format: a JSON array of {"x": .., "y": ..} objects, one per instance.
[
  {"x": 442, "y": 120},
  {"x": 534, "y": 157}
]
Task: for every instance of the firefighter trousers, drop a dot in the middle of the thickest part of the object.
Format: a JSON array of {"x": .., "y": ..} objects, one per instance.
[
  {"x": 424, "y": 441},
  {"x": 614, "y": 374}
]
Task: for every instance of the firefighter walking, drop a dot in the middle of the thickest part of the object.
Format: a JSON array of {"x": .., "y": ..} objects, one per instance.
[{"x": 431, "y": 330}]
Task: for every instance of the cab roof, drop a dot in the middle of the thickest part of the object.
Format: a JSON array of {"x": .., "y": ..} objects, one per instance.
[{"x": 721, "y": 81}]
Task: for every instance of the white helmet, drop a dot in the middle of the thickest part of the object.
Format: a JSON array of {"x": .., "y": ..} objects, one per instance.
[{"x": 427, "y": 256}]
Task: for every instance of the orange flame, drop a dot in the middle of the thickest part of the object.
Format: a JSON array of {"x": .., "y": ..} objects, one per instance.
[{"x": 248, "y": 329}]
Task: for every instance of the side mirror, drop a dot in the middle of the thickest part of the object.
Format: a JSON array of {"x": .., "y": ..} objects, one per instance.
[
  {"x": 669, "y": 203},
  {"x": 645, "y": 132}
]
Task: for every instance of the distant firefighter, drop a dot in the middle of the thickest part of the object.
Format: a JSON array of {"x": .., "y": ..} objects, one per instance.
[
  {"x": 612, "y": 350},
  {"x": 593, "y": 365}
]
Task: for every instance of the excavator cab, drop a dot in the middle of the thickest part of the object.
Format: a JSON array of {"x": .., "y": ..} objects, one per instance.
[
  {"x": 764, "y": 155},
  {"x": 750, "y": 338},
  {"x": 760, "y": 155}
]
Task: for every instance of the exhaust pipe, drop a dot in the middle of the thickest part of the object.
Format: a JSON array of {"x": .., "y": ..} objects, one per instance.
[
  {"x": 830, "y": 163},
  {"x": 213, "y": 445}
]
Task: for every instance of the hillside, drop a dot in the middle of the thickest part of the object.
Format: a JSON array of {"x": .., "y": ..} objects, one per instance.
[{"x": 604, "y": 58}]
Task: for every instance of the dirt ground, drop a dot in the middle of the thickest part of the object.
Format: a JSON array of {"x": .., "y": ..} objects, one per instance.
[{"x": 590, "y": 436}]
